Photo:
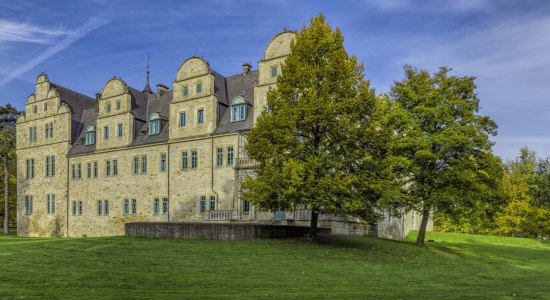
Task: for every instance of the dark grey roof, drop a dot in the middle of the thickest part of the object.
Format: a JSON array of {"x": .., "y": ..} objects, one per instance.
[
  {"x": 160, "y": 105},
  {"x": 238, "y": 85},
  {"x": 77, "y": 102},
  {"x": 79, "y": 146}
]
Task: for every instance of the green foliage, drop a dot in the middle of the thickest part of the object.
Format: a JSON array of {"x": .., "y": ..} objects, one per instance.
[
  {"x": 8, "y": 118},
  {"x": 341, "y": 268},
  {"x": 451, "y": 169},
  {"x": 324, "y": 145}
]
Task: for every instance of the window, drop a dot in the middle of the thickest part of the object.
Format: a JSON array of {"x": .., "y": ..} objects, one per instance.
[
  {"x": 185, "y": 91},
  {"x": 119, "y": 130},
  {"x": 144, "y": 164},
  {"x": 107, "y": 168},
  {"x": 230, "y": 156},
  {"x": 73, "y": 168},
  {"x": 89, "y": 170},
  {"x": 183, "y": 119},
  {"x": 30, "y": 168},
  {"x": 156, "y": 206},
  {"x": 202, "y": 204},
  {"x": 154, "y": 124},
  {"x": 238, "y": 109},
  {"x": 126, "y": 207},
  {"x": 32, "y": 134},
  {"x": 134, "y": 206},
  {"x": 200, "y": 116},
  {"x": 212, "y": 202},
  {"x": 50, "y": 165},
  {"x": 79, "y": 170},
  {"x": 50, "y": 204},
  {"x": 45, "y": 106},
  {"x": 194, "y": 160},
  {"x": 80, "y": 208},
  {"x": 95, "y": 169},
  {"x": 219, "y": 157},
  {"x": 115, "y": 167},
  {"x": 90, "y": 135},
  {"x": 46, "y": 131},
  {"x": 106, "y": 207},
  {"x": 35, "y": 109},
  {"x": 136, "y": 165},
  {"x": 108, "y": 107},
  {"x": 184, "y": 160},
  {"x": 164, "y": 206},
  {"x": 106, "y": 132},
  {"x": 99, "y": 207},
  {"x": 198, "y": 88},
  {"x": 163, "y": 162},
  {"x": 246, "y": 207},
  {"x": 274, "y": 71},
  {"x": 117, "y": 105},
  {"x": 74, "y": 207},
  {"x": 28, "y": 205},
  {"x": 51, "y": 130}
]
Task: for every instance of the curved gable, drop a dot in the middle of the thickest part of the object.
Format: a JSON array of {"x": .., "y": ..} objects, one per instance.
[
  {"x": 192, "y": 67},
  {"x": 114, "y": 87},
  {"x": 279, "y": 45}
]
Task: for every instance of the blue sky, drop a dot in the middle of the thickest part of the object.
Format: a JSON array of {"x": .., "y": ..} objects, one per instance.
[{"x": 505, "y": 44}]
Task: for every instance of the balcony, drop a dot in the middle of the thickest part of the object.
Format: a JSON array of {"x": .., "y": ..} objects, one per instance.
[{"x": 221, "y": 215}]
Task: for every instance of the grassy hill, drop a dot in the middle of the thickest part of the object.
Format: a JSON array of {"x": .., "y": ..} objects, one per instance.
[{"x": 453, "y": 266}]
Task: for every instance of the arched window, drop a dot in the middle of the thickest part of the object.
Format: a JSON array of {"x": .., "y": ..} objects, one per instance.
[
  {"x": 154, "y": 124},
  {"x": 238, "y": 109},
  {"x": 90, "y": 135}
]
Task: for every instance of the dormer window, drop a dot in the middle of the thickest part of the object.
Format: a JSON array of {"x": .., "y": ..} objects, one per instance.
[
  {"x": 238, "y": 109},
  {"x": 154, "y": 124},
  {"x": 90, "y": 135}
]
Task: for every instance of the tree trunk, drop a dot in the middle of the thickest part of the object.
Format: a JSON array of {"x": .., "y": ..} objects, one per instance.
[
  {"x": 313, "y": 224},
  {"x": 422, "y": 230},
  {"x": 6, "y": 196}
]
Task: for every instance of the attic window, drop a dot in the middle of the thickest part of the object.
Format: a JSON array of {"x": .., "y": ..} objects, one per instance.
[
  {"x": 154, "y": 124},
  {"x": 90, "y": 135},
  {"x": 238, "y": 109}
]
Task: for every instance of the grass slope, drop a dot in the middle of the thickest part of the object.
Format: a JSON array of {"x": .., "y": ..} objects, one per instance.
[{"x": 454, "y": 266}]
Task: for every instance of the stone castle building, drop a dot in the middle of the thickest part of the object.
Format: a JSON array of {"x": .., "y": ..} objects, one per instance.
[{"x": 87, "y": 166}]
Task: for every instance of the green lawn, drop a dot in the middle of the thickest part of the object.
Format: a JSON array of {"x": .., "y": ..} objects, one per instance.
[{"x": 454, "y": 266}]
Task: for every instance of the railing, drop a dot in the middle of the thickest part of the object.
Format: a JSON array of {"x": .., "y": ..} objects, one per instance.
[
  {"x": 304, "y": 214},
  {"x": 220, "y": 215}
]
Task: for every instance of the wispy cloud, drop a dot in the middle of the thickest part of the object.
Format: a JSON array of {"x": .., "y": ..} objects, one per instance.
[
  {"x": 27, "y": 33},
  {"x": 31, "y": 35}
]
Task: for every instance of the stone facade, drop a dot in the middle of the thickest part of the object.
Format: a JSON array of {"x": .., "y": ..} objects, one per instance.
[{"x": 87, "y": 166}]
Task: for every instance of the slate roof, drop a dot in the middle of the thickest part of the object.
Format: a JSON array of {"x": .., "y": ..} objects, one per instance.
[
  {"x": 78, "y": 103},
  {"x": 144, "y": 104}
]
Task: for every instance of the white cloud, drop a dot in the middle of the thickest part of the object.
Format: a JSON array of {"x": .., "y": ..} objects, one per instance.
[
  {"x": 27, "y": 33},
  {"x": 70, "y": 37}
]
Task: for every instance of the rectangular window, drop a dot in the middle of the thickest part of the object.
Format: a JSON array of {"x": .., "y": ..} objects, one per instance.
[
  {"x": 212, "y": 202},
  {"x": 79, "y": 171},
  {"x": 156, "y": 206},
  {"x": 144, "y": 164},
  {"x": 47, "y": 166},
  {"x": 117, "y": 105},
  {"x": 194, "y": 160},
  {"x": 108, "y": 107},
  {"x": 202, "y": 204},
  {"x": 52, "y": 167},
  {"x": 184, "y": 160},
  {"x": 106, "y": 207},
  {"x": 126, "y": 207},
  {"x": 198, "y": 88},
  {"x": 274, "y": 71},
  {"x": 28, "y": 205},
  {"x": 219, "y": 157},
  {"x": 163, "y": 162},
  {"x": 95, "y": 169},
  {"x": 30, "y": 134},
  {"x": 32, "y": 168},
  {"x": 164, "y": 206},
  {"x": 34, "y": 134},
  {"x": 115, "y": 167},
  {"x": 185, "y": 91},
  {"x": 45, "y": 106},
  {"x": 73, "y": 168},
  {"x": 99, "y": 207},
  {"x": 80, "y": 208},
  {"x": 230, "y": 156},
  {"x": 134, "y": 206},
  {"x": 183, "y": 119},
  {"x": 74, "y": 208},
  {"x": 136, "y": 165},
  {"x": 89, "y": 170},
  {"x": 107, "y": 168},
  {"x": 51, "y": 130},
  {"x": 246, "y": 207},
  {"x": 50, "y": 204},
  {"x": 200, "y": 116},
  {"x": 119, "y": 129},
  {"x": 47, "y": 131},
  {"x": 106, "y": 132}
]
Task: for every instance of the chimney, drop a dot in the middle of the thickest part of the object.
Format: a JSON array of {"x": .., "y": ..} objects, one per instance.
[
  {"x": 97, "y": 96},
  {"x": 246, "y": 68},
  {"x": 161, "y": 88}
]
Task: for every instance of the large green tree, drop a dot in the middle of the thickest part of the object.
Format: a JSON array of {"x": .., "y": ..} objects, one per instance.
[
  {"x": 452, "y": 169},
  {"x": 8, "y": 118},
  {"x": 323, "y": 145}
]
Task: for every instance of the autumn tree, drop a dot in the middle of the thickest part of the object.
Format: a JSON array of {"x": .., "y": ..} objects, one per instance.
[
  {"x": 323, "y": 145},
  {"x": 451, "y": 169},
  {"x": 8, "y": 118}
]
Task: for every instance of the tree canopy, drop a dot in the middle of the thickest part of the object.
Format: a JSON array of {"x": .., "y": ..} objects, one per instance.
[{"x": 8, "y": 118}]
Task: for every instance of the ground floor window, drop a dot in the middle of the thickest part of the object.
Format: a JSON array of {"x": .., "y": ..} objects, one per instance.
[
  {"x": 28, "y": 204},
  {"x": 202, "y": 204},
  {"x": 156, "y": 206},
  {"x": 212, "y": 202},
  {"x": 246, "y": 207},
  {"x": 50, "y": 204},
  {"x": 164, "y": 206}
]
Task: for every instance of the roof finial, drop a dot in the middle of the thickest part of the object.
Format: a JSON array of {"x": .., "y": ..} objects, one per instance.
[{"x": 147, "y": 88}]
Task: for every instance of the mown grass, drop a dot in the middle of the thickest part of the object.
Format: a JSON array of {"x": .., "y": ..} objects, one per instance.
[{"x": 454, "y": 266}]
